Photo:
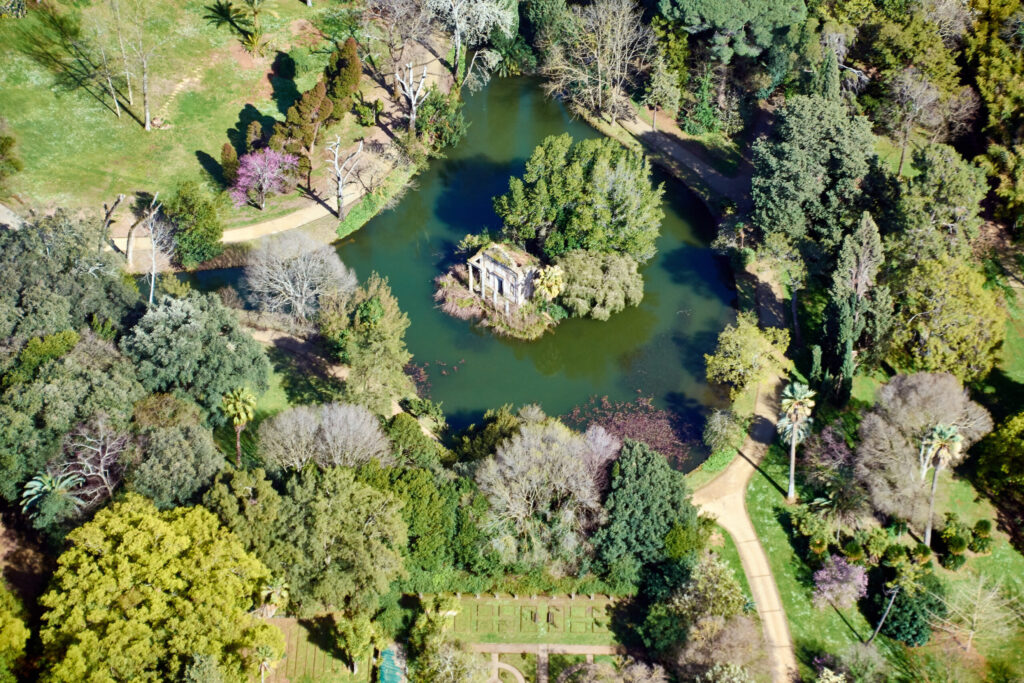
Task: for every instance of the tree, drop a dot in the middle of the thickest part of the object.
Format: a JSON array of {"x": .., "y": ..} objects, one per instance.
[
  {"x": 839, "y": 583},
  {"x": 946, "y": 320},
  {"x": 138, "y": 591},
  {"x": 743, "y": 31},
  {"x": 343, "y": 170},
  {"x": 631, "y": 671},
  {"x": 91, "y": 379},
  {"x": 977, "y": 609},
  {"x": 367, "y": 331},
  {"x": 1001, "y": 456},
  {"x": 195, "y": 345},
  {"x": 229, "y": 164},
  {"x": 895, "y": 454},
  {"x": 647, "y": 501},
  {"x": 143, "y": 29},
  {"x": 413, "y": 92},
  {"x": 262, "y": 173},
  {"x": 543, "y": 499},
  {"x": 341, "y": 77},
  {"x": 470, "y": 22},
  {"x": 297, "y": 135},
  {"x": 746, "y": 354},
  {"x": 597, "y": 56},
  {"x": 291, "y": 274},
  {"x": 239, "y": 406},
  {"x": 197, "y": 221},
  {"x": 939, "y": 207},
  {"x": 10, "y": 163},
  {"x": 248, "y": 505},
  {"x": 1005, "y": 164},
  {"x": 94, "y": 455},
  {"x": 338, "y": 542},
  {"x": 594, "y": 195},
  {"x": 807, "y": 176},
  {"x": 331, "y": 435},
  {"x": 913, "y": 102},
  {"x": 599, "y": 284},
  {"x": 396, "y": 24},
  {"x": 941, "y": 447},
  {"x": 14, "y": 634},
  {"x": 662, "y": 91},
  {"x": 795, "y": 424},
  {"x": 175, "y": 464}
]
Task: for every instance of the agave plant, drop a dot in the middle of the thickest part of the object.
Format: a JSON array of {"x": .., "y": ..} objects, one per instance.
[
  {"x": 254, "y": 43},
  {"x": 42, "y": 485}
]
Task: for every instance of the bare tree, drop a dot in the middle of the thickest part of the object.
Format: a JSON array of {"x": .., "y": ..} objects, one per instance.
[
  {"x": 413, "y": 93},
  {"x": 144, "y": 45},
  {"x": 604, "y": 48},
  {"x": 118, "y": 22},
  {"x": 350, "y": 435},
  {"x": 470, "y": 22},
  {"x": 95, "y": 454},
  {"x": 343, "y": 170},
  {"x": 331, "y": 435},
  {"x": 104, "y": 70},
  {"x": 543, "y": 498},
  {"x": 161, "y": 246},
  {"x": 951, "y": 17},
  {"x": 913, "y": 101},
  {"x": 602, "y": 450},
  {"x": 396, "y": 23},
  {"x": 892, "y": 436},
  {"x": 290, "y": 273},
  {"x": 146, "y": 216},
  {"x": 977, "y": 609}
]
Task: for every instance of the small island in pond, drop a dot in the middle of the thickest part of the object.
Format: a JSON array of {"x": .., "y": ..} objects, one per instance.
[{"x": 576, "y": 227}]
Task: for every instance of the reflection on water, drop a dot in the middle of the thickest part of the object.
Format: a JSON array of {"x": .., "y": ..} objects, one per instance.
[{"x": 655, "y": 349}]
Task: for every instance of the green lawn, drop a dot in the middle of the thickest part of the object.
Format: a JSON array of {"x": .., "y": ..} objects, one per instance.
[
  {"x": 814, "y": 630},
  {"x": 543, "y": 620},
  {"x": 727, "y": 551},
  {"x": 78, "y": 154}
]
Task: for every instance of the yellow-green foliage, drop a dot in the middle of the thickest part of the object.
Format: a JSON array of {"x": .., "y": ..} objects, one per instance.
[
  {"x": 139, "y": 593},
  {"x": 946, "y": 320},
  {"x": 13, "y": 633},
  {"x": 745, "y": 354}
]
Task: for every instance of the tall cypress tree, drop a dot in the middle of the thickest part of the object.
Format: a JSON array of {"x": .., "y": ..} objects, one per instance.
[
  {"x": 298, "y": 133},
  {"x": 342, "y": 77}
]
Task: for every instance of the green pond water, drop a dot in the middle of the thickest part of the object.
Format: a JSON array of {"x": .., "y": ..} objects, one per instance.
[{"x": 654, "y": 350}]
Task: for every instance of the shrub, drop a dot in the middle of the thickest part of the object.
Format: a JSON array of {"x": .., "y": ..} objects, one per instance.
[
  {"x": 440, "y": 119},
  {"x": 909, "y": 618},
  {"x": 725, "y": 431},
  {"x": 854, "y": 552},
  {"x": 954, "y": 562},
  {"x": 410, "y": 445},
  {"x": 599, "y": 284},
  {"x": 229, "y": 164}
]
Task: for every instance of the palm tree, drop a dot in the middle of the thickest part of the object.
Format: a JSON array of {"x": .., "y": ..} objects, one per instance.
[
  {"x": 239, "y": 405},
  {"x": 795, "y": 424},
  {"x": 44, "y": 485},
  {"x": 942, "y": 446},
  {"x": 267, "y": 657},
  {"x": 275, "y": 596}
]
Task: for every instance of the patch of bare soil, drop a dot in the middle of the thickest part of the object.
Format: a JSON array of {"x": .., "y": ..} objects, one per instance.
[
  {"x": 244, "y": 59},
  {"x": 23, "y": 565},
  {"x": 305, "y": 33}
]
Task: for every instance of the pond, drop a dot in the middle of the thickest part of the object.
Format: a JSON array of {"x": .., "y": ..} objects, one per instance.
[{"x": 654, "y": 350}]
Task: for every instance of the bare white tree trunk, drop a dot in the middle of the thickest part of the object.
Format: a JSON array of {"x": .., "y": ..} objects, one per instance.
[
  {"x": 124, "y": 53},
  {"x": 413, "y": 93},
  {"x": 342, "y": 171},
  {"x": 160, "y": 244},
  {"x": 145, "y": 91},
  {"x": 147, "y": 216}
]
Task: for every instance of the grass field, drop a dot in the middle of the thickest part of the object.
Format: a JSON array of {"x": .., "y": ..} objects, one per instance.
[
  {"x": 543, "y": 620},
  {"x": 206, "y": 89}
]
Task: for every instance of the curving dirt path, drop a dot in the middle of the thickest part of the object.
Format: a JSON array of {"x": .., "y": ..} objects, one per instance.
[{"x": 725, "y": 498}]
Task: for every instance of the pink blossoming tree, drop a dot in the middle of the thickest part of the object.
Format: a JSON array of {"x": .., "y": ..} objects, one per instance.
[
  {"x": 262, "y": 173},
  {"x": 839, "y": 583}
]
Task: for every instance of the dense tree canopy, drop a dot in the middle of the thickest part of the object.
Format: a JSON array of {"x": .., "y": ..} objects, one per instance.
[
  {"x": 593, "y": 195},
  {"x": 648, "y": 502},
  {"x": 195, "y": 346},
  {"x": 741, "y": 29},
  {"x": 176, "y": 463},
  {"x": 139, "y": 592},
  {"x": 807, "y": 176}
]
